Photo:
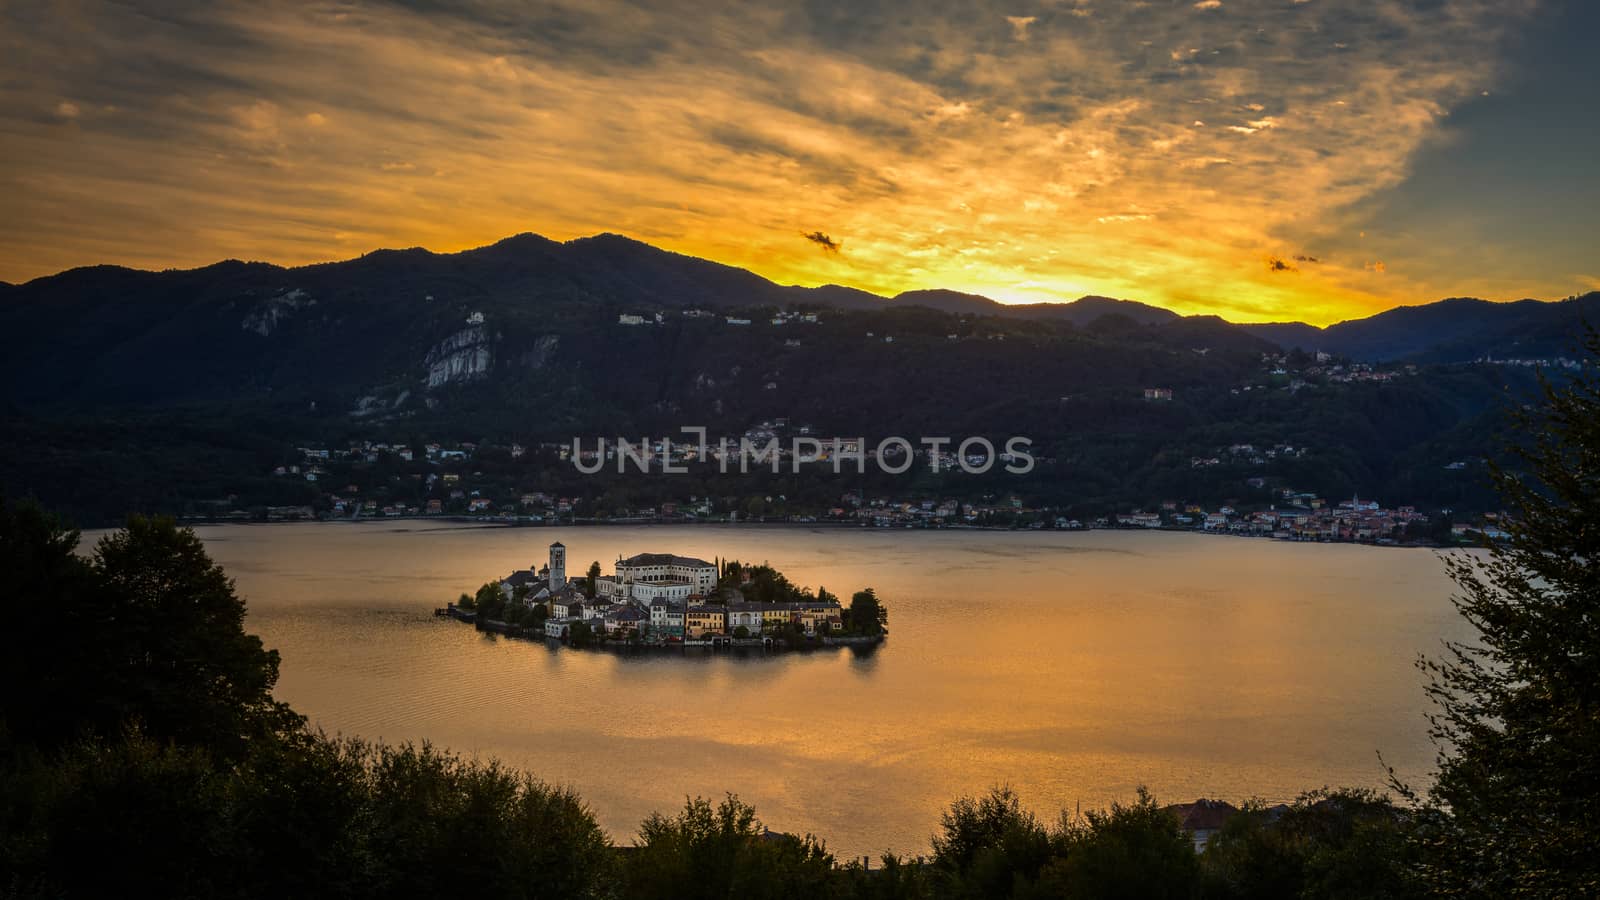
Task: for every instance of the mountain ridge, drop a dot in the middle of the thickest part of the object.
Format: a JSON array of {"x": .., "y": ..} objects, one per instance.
[
  {"x": 613, "y": 269},
  {"x": 127, "y": 389}
]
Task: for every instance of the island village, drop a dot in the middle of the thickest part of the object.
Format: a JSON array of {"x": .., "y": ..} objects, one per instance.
[{"x": 662, "y": 599}]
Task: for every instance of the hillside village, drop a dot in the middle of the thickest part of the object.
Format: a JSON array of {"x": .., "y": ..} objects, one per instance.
[
  {"x": 459, "y": 480},
  {"x": 664, "y": 599},
  {"x": 1238, "y": 480}
]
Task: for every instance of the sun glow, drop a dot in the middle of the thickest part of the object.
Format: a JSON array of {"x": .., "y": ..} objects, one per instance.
[{"x": 1204, "y": 159}]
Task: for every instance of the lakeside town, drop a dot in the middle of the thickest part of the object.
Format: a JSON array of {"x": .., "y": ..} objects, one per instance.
[
  {"x": 459, "y": 489},
  {"x": 1250, "y": 482},
  {"x": 664, "y": 600}
]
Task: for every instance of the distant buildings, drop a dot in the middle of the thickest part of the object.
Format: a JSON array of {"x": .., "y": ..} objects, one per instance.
[{"x": 659, "y": 597}]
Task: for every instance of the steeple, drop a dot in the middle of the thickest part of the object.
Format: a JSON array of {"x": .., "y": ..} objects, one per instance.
[{"x": 558, "y": 566}]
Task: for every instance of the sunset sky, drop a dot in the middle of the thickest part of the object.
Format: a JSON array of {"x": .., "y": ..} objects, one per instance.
[{"x": 1257, "y": 159}]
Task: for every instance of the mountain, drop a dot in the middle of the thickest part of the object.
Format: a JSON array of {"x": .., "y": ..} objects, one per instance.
[
  {"x": 948, "y": 301},
  {"x": 614, "y": 271},
  {"x": 1455, "y": 330},
  {"x": 124, "y": 389},
  {"x": 1082, "y": 311},
  {"x": 394, "y": 323}
]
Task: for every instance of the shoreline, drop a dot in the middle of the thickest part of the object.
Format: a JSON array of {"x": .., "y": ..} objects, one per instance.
[
  {"x": 767, "y": 646},
  {"x": 498, "y": 523}
]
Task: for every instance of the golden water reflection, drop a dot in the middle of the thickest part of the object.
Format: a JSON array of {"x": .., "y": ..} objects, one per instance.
[{"x": 1074, "y": 667}]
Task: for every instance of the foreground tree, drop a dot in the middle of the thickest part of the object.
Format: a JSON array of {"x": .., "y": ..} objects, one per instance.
[
  {"x": 1515, "y": 810},
  {"x": 1326, "y": 844},
  {"x": 723, "y": 851},
  {"x": 989, "y": 847},
  {"x": 54, "y": 646},
  {"x": 148, "y": 632},
  {"x": 1137, "y": 852},
  {"x": 302, "y": 816},
  {"x": 184, "y": 667},
  {"x": 448, "y": 827}
]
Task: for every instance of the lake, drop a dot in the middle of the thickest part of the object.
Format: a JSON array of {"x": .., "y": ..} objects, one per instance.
[{"x": 1072, "y": 666}]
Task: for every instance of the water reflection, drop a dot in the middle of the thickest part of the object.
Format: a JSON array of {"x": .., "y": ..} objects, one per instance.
[{"x": 1073, "y": 666}]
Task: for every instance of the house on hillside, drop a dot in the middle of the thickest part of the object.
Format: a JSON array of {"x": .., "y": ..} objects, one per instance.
[{"x": 1202, "y": 819}]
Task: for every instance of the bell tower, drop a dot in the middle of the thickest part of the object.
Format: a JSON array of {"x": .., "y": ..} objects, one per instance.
[{"x": 558, "y": 566}]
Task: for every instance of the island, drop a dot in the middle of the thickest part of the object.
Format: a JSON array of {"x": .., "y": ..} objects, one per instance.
[{"x": 664, "y": 600}]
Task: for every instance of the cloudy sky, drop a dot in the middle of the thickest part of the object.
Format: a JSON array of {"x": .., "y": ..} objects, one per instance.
[{"x": 1258, "y": 159}]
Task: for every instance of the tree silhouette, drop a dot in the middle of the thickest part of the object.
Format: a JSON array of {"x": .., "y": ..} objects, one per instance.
[{"x": 1517, "y": 720}]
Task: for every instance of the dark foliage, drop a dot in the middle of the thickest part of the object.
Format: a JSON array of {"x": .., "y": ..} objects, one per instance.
[
  {"x": 1515, "y": 809},
  {"x": 147, "y": 631},
  {"x": 721, "y": 851}
]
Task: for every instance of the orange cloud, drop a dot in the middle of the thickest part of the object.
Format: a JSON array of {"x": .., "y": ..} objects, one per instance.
[{"x": 991, "y": 154}]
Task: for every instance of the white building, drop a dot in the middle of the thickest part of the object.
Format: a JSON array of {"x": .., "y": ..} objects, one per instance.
[
  {"x": 747, "y": 614},
  {"x": 666, "y": 617},
  {"x": 663, "y": 568},
  {"x": 643, "y": 592}
]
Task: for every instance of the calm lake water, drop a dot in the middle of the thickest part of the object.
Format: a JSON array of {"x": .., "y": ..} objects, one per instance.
[{"x": 1074, "y": 667}]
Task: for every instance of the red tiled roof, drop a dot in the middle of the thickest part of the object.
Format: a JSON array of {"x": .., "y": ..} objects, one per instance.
[{"x": 1203, "y": 815}]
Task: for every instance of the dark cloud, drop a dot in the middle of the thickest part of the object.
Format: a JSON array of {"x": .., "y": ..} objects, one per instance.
[
  {"x": 1278, "y": 264},
  {"x": 823, "y": 241},
  {"x": 1306, "y": 259}
]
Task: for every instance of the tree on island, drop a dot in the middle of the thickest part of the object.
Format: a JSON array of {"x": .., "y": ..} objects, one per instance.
[
  {"x": 589, "y": 585},
  {"x": 1515, "y": 809},
  {"x": 731, "y": 576},
  {"x": 867, "y": 615},
  {"x": 490, "y": 600},
  {"x": 579, "y": 634}
]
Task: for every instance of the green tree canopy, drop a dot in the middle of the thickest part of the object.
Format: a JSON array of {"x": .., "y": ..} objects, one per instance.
[
  {"x": 988, "y": 846},
  {"x": 1132, "y": 852},
  {"x": 490, "y": 600},
  {"x": 867, "y": 614},
  {"x": 723, "y": 851},
  {"x": 1326, "y": 844},
  {"x": 148, "y": 631},
  {"x": 579, "y": 634},
  {"x": 1517, "y": 711}
]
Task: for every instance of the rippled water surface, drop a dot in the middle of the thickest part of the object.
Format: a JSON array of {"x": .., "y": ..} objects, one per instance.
[{"x": 1072, "y": 666}]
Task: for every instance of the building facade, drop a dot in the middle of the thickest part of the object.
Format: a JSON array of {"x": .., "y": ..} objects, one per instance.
[
  {"x": 558, "y": 566},
  {"x": 699, "y": 621},
  {"x": 666, "y": 567}
]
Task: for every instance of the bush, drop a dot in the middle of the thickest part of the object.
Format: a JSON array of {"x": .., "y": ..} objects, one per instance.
[
  {"x": 299, "y": 816},
  {"x": 723, "y": 851}
]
